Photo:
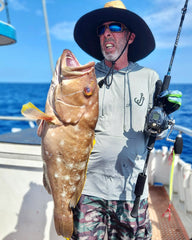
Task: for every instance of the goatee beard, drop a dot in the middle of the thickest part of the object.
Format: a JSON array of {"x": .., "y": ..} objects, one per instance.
[
  {"x": 114, "y": 56},
  {"x": 110, "y": 57}
]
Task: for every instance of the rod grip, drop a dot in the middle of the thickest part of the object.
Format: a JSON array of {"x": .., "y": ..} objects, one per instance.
[
  {"x": 139, "y": 187},
  {"x": 134, "y": 212},
  {"x": 158, "y": 87},
  {"x": 166, "y": 82}
]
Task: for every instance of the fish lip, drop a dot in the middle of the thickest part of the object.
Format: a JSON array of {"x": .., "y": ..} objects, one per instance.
[
  {"x": 71, "y": 65},
  {"x": 71, "y": 73},
  {"x": 69, "y": 59}
]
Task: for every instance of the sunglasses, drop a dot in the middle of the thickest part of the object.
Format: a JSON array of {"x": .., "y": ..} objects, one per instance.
[{"x": 113, "y": 27}]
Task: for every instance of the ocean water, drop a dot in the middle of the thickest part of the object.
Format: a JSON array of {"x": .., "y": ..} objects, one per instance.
[{"x": 14, "y": 95}]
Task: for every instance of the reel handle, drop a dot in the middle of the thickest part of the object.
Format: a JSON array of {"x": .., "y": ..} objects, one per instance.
[{"x": 178, "y": 145}]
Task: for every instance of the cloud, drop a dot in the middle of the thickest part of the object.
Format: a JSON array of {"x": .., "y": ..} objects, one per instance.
[
  {"x": 165, "y": 21},
  {"x": 63, "y": 31},
  {"x": 18, "y": 5}
]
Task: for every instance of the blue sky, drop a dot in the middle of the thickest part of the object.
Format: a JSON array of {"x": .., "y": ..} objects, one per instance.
[{"x": 28, "y": 59}]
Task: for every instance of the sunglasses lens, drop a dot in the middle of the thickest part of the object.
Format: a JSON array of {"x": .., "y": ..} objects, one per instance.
[
  {"x": 101, "y": 30},
  {"x": 115, "y": 27}
]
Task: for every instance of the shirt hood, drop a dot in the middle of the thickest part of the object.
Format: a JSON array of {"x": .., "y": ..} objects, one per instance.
[{"x": 102, "y": 67}]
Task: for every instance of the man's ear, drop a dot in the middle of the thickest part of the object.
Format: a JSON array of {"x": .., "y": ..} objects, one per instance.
[{"x": 132, "y": 37}]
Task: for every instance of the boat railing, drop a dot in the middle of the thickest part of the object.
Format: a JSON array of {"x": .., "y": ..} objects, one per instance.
[
  {"x": 12, "y": 118},
  {"x": 17, "y": 118},
  {"x": 182, "y": 129}
]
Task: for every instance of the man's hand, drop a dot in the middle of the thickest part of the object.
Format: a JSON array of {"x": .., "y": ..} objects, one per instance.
[{"x": 171, "y": 100}]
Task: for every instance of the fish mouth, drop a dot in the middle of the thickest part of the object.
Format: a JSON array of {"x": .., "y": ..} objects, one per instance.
[
  {"x": 70, "y": 60},
  {"x": 70, "y": 66}
]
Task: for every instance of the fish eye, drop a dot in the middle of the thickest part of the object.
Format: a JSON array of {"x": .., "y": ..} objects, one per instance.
[{"x": 88, "y": 91}]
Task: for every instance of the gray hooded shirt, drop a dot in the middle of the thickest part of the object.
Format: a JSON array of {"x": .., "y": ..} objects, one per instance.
[{"x": 120, "y": 149}]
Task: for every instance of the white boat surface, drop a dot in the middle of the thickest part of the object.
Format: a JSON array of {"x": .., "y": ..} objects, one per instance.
[{"x": 26, "y": 209}]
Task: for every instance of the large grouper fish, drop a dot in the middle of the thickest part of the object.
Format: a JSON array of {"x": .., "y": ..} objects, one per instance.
[{"x": 67, "y": 132}]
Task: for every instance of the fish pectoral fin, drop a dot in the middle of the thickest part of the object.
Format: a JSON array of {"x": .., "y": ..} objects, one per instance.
[
  {"x": 31, "y": 111},
  {"x": 40, "y": 124},
  {"x": 67, "y": 113}
]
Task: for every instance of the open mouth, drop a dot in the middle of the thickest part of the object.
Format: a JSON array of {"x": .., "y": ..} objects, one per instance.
[
  {"x": 71, "y": 67},
  {"x": 71, "y": 61},
  {"x": 109, "y": 45}
]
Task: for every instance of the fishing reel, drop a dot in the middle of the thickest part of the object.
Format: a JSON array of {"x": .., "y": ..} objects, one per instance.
[{"x": 156, "y": 121}]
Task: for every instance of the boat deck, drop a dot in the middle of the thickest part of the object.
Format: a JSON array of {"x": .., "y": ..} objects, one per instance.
[
  {"x": 20, "y": 158},
  {"x": 163, "y": 227},
  {"x": 26, "y": 136}
]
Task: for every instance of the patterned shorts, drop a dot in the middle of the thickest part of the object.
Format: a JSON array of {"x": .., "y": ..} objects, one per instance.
[{"x": 93, "y": 217}]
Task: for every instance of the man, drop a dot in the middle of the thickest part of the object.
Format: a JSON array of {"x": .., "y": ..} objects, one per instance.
[{"x": 118, "y": 38}]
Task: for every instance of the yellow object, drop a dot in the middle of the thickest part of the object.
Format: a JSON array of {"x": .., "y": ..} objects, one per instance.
[
  {"x": 115, "y": 4},
  {"x": 28, "y": 106},
  {"x": 93, "y": 144},
  {"x": 31, "y": 111}
]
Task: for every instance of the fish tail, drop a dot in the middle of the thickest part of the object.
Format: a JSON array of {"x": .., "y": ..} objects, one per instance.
[
  {"x": 31, "y": 111},
  {"x": 64, "y": 223}
]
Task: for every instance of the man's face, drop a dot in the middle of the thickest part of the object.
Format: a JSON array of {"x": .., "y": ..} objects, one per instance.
[{"x": 112, "y": 43}]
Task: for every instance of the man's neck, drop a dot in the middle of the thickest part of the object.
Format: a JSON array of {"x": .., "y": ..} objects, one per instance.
[{"x": 119, "y": 64}]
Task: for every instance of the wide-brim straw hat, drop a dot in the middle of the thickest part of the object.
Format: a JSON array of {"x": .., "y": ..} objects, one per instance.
[{"x": 85, "y": 31}]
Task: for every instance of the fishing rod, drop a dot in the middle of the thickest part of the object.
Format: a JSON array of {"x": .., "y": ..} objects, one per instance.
[
  {"x": 167, "y": 77},
  {"x": 157, "y": 120}
]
